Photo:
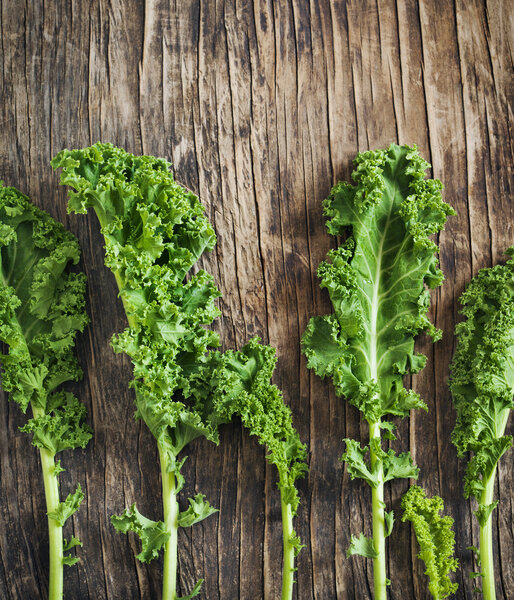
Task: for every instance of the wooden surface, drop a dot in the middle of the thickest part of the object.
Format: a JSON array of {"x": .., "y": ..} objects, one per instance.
[{"x": 261, "y": 106}]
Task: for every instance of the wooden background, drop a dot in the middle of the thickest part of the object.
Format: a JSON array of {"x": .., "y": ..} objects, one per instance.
[{"x": 261, "y": 106}]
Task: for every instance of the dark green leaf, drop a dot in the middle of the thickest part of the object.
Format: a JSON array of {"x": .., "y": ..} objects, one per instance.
[
  {"x": 376, "y": 280},
  {"x": 41, "y": 312}
]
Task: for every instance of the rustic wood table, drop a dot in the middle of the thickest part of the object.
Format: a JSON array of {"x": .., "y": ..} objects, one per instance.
[{"x": 261, "y": 106}]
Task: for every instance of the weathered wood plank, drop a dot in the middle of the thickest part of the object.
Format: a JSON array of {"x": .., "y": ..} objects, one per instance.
[{"x": 260, "y": 106}]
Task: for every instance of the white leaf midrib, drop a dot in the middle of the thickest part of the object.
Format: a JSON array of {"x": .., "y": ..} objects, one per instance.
[{"x": 375, "y": 303}]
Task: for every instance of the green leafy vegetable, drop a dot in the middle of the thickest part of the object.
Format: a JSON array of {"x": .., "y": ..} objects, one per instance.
[
  {"x": 65, "y": 509},
  {"x": 153, "y": 534},
  {"x": 249, "y": 394},
  {"x": 435, "y": 537},
  {"x": 68, "y": 559},
  {"x": 377, "y": 282},
  {"x": 362, "y": 546},
  {"x": 199, "y": 509},
  {"x": 41, "y": 312},
  {"x": 482, "y": 386},
  {"x": 155, "y": 231}
]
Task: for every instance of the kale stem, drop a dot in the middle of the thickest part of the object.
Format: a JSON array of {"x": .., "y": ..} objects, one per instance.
[
  {"x": 377, "y": 500},
  {"x": 55, "y": 588},
  {"x": 288, "y": 560},
  {"x": 486, "y": 530},
  {"x": 486, "y": 542},
  {"x": 170, "y": 505}
]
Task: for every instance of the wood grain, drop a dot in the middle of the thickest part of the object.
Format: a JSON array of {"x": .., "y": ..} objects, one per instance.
[{"x": 261, "y": 106}]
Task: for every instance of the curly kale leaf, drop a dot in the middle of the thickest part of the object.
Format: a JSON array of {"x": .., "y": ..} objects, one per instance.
[
  {"x": 482, "y": 372},
  {"x": 68, "y": 507},
  {"x": 68, "y": 559},
  {"x": 198, "y": 510},
  {"x": 62, "y": 426},
  {"x": 435, "y": 537},
  {"x": 153, "y": 534},
  {"x": 361, "y": 546},
  {"x": 392, "y": 466},
  {"x": 244, "y": 390},
  {"x": 376, "y": 281},
  {"x": 41, "y": 312},
  {"x": 154, "y": 231}
]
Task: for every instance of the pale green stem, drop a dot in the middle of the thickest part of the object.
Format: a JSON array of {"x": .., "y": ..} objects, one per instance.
[
  {"x": 486, "y": 530},
  {"x": 486, "y": 542},
  {"x": 55, "y": 587},
  {"x": 377, "y": 493},
  {"x": 377, "y": 502},
  {"x": 170, "y": 505},
  {"x": 288, "y": 568}
]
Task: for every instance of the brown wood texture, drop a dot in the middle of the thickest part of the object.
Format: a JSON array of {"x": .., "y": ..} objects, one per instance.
[{"x": 261, "y": 106}]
